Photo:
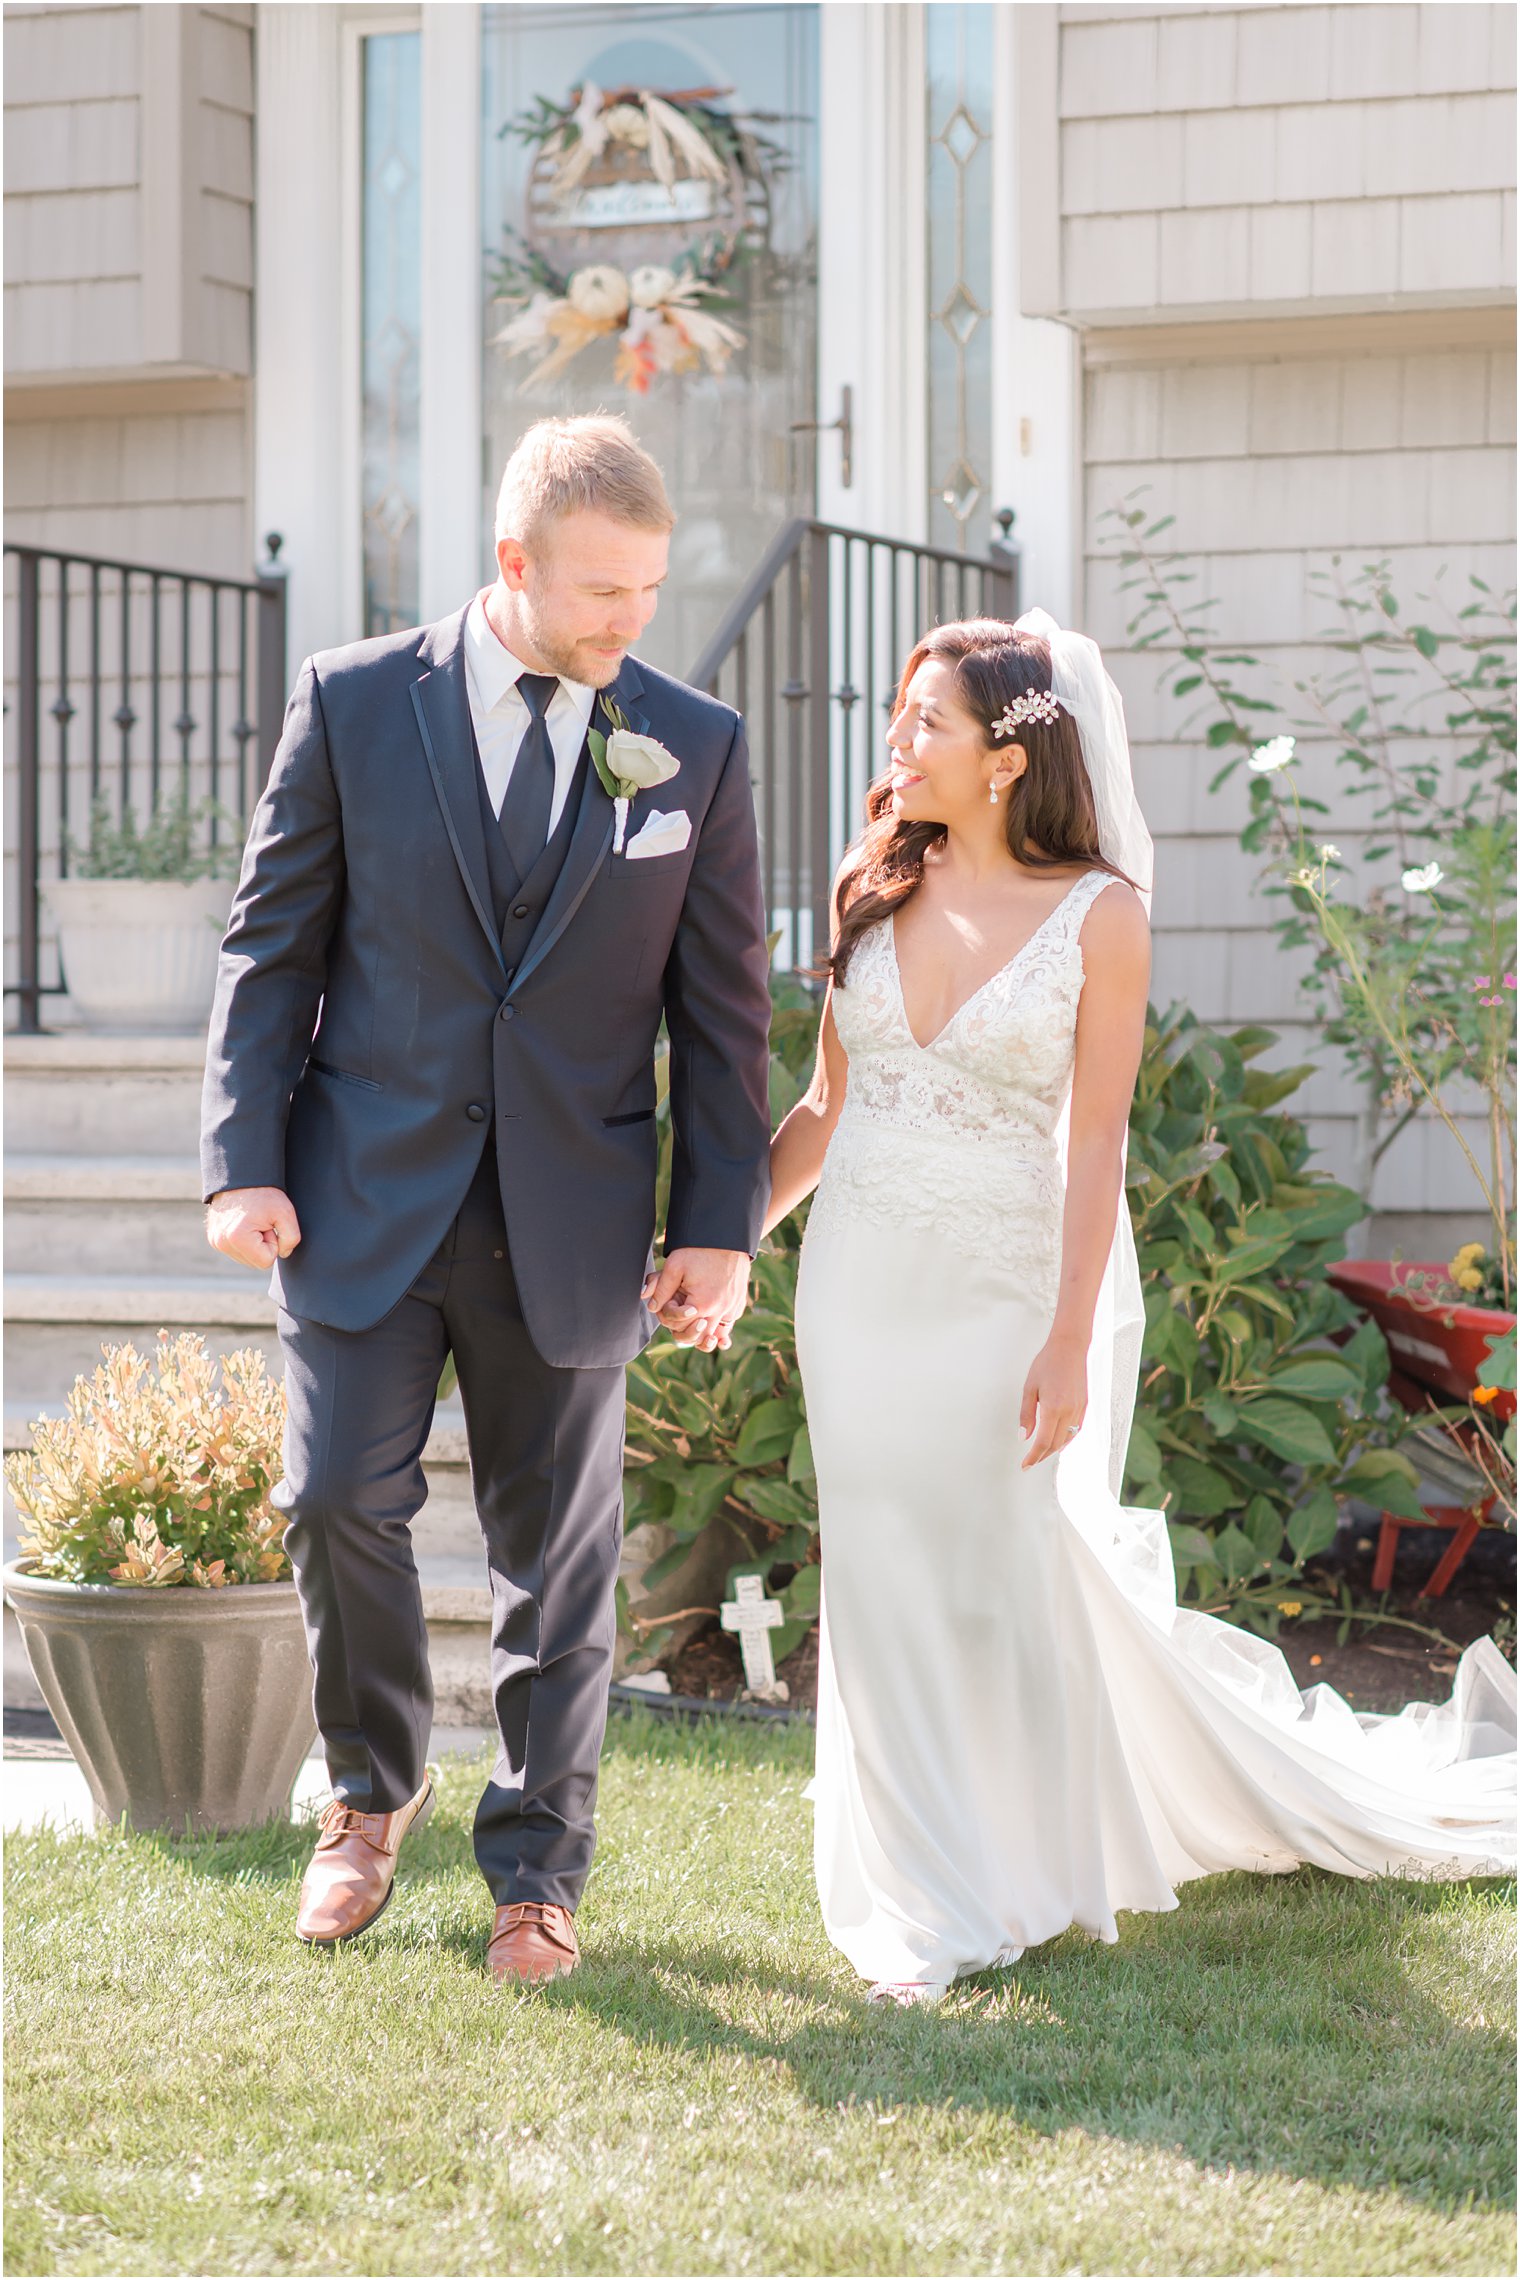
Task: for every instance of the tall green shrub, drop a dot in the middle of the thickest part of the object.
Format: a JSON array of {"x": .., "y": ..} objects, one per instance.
[{"x": 1252, "y": 1422}]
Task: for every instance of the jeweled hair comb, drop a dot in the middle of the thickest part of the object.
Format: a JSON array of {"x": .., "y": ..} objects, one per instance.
[{"x": 1034, "y": 704}]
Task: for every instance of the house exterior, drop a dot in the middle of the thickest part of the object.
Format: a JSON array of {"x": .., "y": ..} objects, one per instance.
[{"x": 1254, "y": 263}]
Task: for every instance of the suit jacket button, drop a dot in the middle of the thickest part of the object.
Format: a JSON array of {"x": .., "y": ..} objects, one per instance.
[
  {"x": 507, "y": 1012},
  {"x": 521, "y": 911},
  {"x": 475, "y": 1113}
]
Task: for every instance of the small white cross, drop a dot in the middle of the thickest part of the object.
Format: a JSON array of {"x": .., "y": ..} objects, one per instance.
[{"x": 754, "y": 1618}]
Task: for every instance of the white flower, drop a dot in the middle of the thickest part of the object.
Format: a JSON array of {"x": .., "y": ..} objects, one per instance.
[
  {"x": 651, "y": 285},
  {"x": 1276, "y": 753},
  {"x": 638, "y": 762},
  {"x": 625, "y": 122},
  {"x": 600, "y": 292},
  {"x": 1420, "y": 882},
  {"x": 1329, "y": 854}
]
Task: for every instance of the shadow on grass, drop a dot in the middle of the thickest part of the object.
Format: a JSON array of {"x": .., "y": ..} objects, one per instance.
[
  {"x": 1274, "y": 2024},
  {"x": 1293, "y": 2061}
]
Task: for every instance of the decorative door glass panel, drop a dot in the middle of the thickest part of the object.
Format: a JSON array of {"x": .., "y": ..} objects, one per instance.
[
  {"x": 958, "y": 37},
  {"x": 390, "y": 324},
  {"x": 650, "y": 183}
]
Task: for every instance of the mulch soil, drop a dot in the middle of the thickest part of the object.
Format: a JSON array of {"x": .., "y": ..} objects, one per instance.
[{"x": 1381, "y": 1666}]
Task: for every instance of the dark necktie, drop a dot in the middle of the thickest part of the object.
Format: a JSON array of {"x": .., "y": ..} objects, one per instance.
[{"x": 529, "y": 800}]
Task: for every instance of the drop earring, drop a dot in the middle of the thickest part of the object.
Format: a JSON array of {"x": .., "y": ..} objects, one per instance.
[{"x": 992, "y": 795}]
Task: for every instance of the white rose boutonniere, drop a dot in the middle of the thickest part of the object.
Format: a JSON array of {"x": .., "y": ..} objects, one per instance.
[{"x": 628, "y": 764}]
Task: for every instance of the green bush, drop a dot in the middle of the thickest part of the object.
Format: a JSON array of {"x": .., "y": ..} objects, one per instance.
[
  {"x": 721, "y": 1437},
  {"x": 1252, "y": 1422},
  {"x": 1261, "y": 1402}
]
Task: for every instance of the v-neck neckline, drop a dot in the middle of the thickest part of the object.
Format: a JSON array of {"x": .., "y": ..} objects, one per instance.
[{"x": 982, "y": 987}]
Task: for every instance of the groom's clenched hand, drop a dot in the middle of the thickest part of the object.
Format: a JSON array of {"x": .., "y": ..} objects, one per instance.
[
  {"x": 700, "y": 1295},
  {"x": 255, "y": 1226}
]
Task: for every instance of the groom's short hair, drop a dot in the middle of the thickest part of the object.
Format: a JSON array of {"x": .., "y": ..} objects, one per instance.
[{"x": 562, "y": 466}]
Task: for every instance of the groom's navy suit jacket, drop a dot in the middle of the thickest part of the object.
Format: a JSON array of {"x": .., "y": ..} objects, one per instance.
[{"x": 369, "y": 1025}]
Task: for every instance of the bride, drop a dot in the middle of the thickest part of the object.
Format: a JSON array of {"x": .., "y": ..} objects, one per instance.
[{"x": 1018, "y": 1728}]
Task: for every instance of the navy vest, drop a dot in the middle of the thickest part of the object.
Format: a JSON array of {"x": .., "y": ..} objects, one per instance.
[{"x": 517, "y": 904}]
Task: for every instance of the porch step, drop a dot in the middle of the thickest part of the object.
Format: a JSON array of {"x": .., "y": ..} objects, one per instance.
[
  {"x": 83, "y": 1095},
  {"x": 109, "y": 1215},
  {"x": 56, "y": 1324}
]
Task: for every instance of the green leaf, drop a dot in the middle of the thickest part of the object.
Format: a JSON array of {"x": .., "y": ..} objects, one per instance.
[
  {"x": 1263, "y": 1523},
  {"x": 1236, "y": 1553},
  {"x": 799, "y": 1464},
  {"x": 1311, "y": 1529},
  {"x": 1144, "y": 1457},
  {"x": 1498, "y": 1365},
  {"x": 1424, "y": 640},
  {"x": 800, "y": 1598},
  {"x": 699, "y": 1493},
  {"x": 1201, "y": 1491},
  {"x": 1221, "y": 1413},
  {"x": 1190, "y": 1546},
  {"x": 1287, "y": 1430},
  {"x": 1319, "y": 1377},
  {"x": 1383, "y": 1477},
  {"x": 777, "y": 1500},
  {"x": 767, "y": 1431}
]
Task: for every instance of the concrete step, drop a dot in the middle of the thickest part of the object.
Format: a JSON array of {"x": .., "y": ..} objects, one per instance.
[
  {"x": 56, "y": 1324},
  {"x": 83, "y": 1095},
  {"x": 111, "y": 1215}
]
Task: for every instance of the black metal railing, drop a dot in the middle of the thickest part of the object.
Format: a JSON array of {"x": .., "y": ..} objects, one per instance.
[
  {"x": 810, "y": 654},
  {"x": 135, "y": 687}
]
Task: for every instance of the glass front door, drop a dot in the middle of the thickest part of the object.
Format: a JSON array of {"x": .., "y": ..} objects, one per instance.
[{"x": 650, "y": 226}]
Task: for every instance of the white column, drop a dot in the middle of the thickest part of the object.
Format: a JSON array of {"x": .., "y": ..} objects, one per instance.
[
  {"x": 300, "y": 432},
  {"x": 452, "y": 546},
  {"x": 871, "y": 286},
  {"x": 1036, "y": 427}
]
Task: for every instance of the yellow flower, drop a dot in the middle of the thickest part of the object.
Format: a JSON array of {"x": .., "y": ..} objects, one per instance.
[
  {"x": 1467, "y": 1256},
  {"x": 1468, "y": 1279},
  {"x": 1290, "y": 1607},
  {"x": 1484, "y": 1394}
]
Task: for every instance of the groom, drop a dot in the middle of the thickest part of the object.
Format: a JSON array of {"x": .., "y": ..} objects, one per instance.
[{"x": 429, "y": 1107}]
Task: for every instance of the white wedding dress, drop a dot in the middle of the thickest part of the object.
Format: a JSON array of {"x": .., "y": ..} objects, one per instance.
[{"x": 1018, "y": 1728}]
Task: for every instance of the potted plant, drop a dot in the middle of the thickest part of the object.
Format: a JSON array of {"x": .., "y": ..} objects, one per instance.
[
  {"x": 153, "y": 1593},
  {"x": 140, "y": 920}
]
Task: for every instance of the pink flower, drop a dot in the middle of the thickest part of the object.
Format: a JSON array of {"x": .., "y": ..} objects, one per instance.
[
  {"x": 1482, "y": 982},
  {"x": 1509, "y": 981}
]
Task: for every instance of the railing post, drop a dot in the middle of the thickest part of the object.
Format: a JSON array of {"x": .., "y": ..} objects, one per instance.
[
  {"x": 28, "y": 786},
  {"x": 820, "y": 739},
  {"x": 1004, "y": 581},
  {"x": 271, "y": 680}
]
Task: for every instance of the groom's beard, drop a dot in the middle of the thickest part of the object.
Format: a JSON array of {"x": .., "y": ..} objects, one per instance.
[{"x": 573, "y": 660}]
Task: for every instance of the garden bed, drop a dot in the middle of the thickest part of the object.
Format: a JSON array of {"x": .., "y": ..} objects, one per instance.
[{"x": 1380, "y": 1667}]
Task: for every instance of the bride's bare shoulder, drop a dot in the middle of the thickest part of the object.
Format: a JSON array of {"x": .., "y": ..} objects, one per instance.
[{"x": 1115, "y": 926}]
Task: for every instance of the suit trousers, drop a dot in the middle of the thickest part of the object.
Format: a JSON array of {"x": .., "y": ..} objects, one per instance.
[{"x": 546, "y": 1463}]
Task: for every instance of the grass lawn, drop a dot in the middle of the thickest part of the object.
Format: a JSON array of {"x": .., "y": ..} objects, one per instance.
[{"x": 1290, "y": 2074}]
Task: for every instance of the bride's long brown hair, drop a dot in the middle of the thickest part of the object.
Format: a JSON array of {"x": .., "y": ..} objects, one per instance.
[{"x": 1050, "y": 820}]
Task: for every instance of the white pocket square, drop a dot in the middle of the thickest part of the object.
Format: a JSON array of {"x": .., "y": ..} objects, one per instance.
[{"x": 659, "y": 834}]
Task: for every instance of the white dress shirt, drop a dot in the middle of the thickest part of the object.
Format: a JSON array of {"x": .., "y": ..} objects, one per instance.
[{"x": 500, "y": 712}]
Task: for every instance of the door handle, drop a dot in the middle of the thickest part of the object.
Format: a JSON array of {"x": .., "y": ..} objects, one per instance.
[{"x": 845, "y": 427}]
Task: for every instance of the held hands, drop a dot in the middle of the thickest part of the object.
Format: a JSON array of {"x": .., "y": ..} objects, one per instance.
[
  {"x": 1055, "y": 1398},
  {"x": 255, "y": 1226},
  {"x": 699, "y": 1296}
]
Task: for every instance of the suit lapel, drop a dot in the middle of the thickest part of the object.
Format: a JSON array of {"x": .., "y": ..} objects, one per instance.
[
  {"x": 591, "y": 837},
  {"x": 441, "y": 700}
]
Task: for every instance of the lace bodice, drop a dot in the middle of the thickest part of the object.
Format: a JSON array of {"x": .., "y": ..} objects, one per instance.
[{"x": 959, "y": 1135}]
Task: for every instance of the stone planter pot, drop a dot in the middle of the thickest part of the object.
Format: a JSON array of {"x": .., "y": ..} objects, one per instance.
[
  {"x": 139, "y": 954},
  {"x": 187, "y": 1710},
  {"x": 1437, "y": 1346}
]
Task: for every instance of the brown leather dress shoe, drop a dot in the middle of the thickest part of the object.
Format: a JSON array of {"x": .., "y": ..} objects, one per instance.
[
  {"x": 531, "y": 1941},
  {"x": 353, "y": 1869}
]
